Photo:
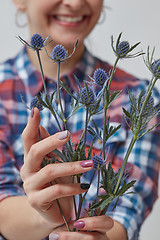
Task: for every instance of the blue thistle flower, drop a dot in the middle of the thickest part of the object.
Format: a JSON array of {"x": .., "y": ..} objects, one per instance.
[
  {"x": 36, "y": 103},
  {"x": 87, "y": 95},
  {"x": 100, "y": 76},
  {"x": 156, "y": 67},
  {"x": 98, "y": 162},
  {"x": 36, "y": 41},
  {"x": 123, "y": 48},
  {"x": 59, "y": 53}
]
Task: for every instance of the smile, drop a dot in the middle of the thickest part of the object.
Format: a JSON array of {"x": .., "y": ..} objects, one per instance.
[{"x": 69, "y": 19}]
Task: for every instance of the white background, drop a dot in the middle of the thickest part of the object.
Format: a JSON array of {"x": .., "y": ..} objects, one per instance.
[{"x": 138, "y": 20}]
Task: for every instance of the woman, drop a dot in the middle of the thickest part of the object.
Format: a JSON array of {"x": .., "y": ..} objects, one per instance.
[{"x": 36, "y": 214}]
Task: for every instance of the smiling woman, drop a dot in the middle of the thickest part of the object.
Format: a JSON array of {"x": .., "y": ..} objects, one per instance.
[{"x": 33, "y": 200}]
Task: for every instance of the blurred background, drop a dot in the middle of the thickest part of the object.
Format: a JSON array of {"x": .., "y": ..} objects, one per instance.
[{"x": 139, "y": 22}]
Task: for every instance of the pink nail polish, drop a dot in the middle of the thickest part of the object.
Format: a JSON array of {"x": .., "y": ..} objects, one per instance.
[
  {"x": 79, "y": 224},
  {"x": 87, "y": 163},
  {"x": 32, "y": 112}
]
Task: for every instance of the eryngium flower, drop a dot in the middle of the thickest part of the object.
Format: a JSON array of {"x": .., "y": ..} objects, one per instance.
[
  {"x": 36, "y": 103},
  {"x": 59, "y": 53},
  {"x": 156, "y": 67},
  {"x": 100, "y": 76},
  {"x": 149, "y": 107},
  {"x": 36, "y": 41},
  {"x": 98, "y": 162},
  {"x": 123, "y": 48},
  {"x": 87, "y": 95}
]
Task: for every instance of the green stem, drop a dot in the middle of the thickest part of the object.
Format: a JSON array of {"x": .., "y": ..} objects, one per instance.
[
  {"x": 60, "y": 103},
  {"x": 98, "y": 182},
  {"x": 68, "y": 228},
  {"x": 54, "y": 114},
  {"x": 81, "y": 199},
  {"x": 82, "y": 135},
  {"x": 74, "y": 200},
  {"x": 40, "y": 64},
  {"x": 104, "y": 131},
  {"x": 58, "y": 93},
  {"x": 86, "y": 124},
  {"x": 125, "y": 162},
  {"x": 113, "y": 71}
]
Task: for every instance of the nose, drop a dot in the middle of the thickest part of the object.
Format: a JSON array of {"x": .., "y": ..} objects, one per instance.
[{"x": 74, "y": 4}]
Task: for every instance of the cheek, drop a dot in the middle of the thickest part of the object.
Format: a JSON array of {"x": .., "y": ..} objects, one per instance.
[{"x": 97, "y": 6}]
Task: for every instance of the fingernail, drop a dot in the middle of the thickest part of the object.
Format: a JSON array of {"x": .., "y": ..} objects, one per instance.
[
  {"x": 79, "y": 224},
  {"x": 32, "y": 112},
  {"x": 85, "y": 185},
  {"x": 63, "y": 135},
  {"x": 88, "y": 163},
  {"x": 53, "y": 236}
]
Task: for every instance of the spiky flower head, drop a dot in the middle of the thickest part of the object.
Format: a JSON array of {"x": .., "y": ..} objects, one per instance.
[
  {"x": 100, "y": 76},
  {"x": 36, "y": 103},
  {"x": 87, "y": 95},
  {"x": 156, "y": 67},
  {"x": 98, "y": 162},
  {"x": 59, "y": 53},
  {"x": 36, "y": 41},
  {"x": 123, "y": 48}
]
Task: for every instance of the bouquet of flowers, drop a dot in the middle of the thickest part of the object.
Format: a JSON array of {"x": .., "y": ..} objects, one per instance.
[{"x": 141, "y": 111}]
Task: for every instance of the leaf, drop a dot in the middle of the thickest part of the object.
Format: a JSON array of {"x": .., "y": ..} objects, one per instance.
[
  {"x": 67, "y": 90},
  {"x": 114, "y": 96},
  {"x": 125, "y": 187},
  {"x": 134, "y": 46},
  {"x": 127, "y": 114},
  {"x": 60, "y": 155},
  {"x": 118, "y": 40}
]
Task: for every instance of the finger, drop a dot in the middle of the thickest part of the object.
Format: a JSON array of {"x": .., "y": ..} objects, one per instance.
[
  {"x": 51, "y": 172},
  {"x": 53, "y": 192},
  {"x": 78, "y": 236},
  {"x": 98, "y": 223},
  {"x": 40, "y": 149},
  {"x": 30, "y": 134}
]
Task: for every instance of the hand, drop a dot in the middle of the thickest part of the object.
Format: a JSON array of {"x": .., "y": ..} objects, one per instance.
[
  {"x": 41, "y": 194},
  {"x": 90, "y": 228}
]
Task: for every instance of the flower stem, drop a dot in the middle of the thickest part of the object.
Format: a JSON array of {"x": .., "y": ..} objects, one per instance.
[
  {"x": 113, "y": 71},
  {"x": 68, "y": 228},
  {"x": 40, "y": 64},
  {"x": 104, "y": 130},
  {"x": 86, "y": 124},
  {"x": 58, "y": 91},
  {"x": 59, "y": 101},
  {"x": 81, "y": 199},
  {"x": 98, "y": 182},
  {"x": 125, "y": 162}
]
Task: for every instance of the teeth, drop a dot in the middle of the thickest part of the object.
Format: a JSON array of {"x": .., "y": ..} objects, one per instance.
[{"x": 69, "y": 19}]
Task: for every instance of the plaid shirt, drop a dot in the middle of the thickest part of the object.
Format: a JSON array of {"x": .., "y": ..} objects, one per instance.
[{"x": 19, "y": 78}]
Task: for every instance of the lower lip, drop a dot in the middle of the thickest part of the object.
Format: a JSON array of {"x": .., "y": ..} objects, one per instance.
[{"x": 68, "y": 24}]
